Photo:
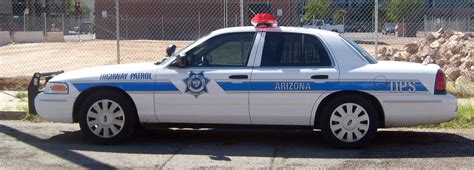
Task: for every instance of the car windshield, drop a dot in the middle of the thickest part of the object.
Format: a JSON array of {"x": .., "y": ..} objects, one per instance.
[
  {"x": 359, "y": 49},
  {"x": 390, "y": 25},
  {"x": 191, "y": 45}
]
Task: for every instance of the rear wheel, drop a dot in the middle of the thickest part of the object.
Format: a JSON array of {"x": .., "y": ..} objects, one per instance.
[
  {"x": 349, "y": 122},
  {"x": 108, "y": 118}
]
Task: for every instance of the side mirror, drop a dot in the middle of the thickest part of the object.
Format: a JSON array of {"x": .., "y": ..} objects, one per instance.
[
  {"x": 182, "y": 61},
  {"x": 170, "y": 50}
]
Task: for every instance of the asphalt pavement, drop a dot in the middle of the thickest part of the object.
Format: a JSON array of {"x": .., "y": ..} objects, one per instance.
[{"x": 55, "y": 145}]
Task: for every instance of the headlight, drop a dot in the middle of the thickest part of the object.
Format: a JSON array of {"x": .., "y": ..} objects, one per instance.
[{"x": 56, "y": 88}]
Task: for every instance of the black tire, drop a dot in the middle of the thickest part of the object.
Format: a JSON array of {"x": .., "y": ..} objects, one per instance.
[
  {"x": 130, "y": 121},
  {"x": 330, "y": 135}
]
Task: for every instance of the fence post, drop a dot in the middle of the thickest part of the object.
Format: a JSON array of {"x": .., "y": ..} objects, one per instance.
[
  {"x": 241, "y": 12},
  {"x": 63, "y": 20},
  {"x": 117, "y": 28},
  {"x": 45, "y": 24},
  {"x": 162, "y": 28},
  {"x": 199, "y": 24},
  {"x": 225, "y": 14},
  {"x": 376, "y": 29}
]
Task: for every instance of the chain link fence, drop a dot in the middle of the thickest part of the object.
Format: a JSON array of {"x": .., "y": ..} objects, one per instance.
[{"x": 51, "y": 35}]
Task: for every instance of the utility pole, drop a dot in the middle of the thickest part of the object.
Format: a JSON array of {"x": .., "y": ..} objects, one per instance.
[{"x": 117, "y": 28}]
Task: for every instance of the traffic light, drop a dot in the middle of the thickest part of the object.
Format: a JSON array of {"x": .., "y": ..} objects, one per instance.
[
  {"x": 78, "y": 9},
  {"x": 77, "y": 6}
]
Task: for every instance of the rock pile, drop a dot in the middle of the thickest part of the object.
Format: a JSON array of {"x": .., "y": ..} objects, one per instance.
[{"x": 452, "y": 51}]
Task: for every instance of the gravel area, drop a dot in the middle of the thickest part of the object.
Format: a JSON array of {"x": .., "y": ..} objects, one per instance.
[
  {"x": 54, "y": 145},
  {"x": 22, "y": 60},
  {"x": 19, "y": 60}
]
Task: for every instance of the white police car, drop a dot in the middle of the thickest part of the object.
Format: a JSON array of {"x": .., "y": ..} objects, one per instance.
[{"x": 263, "y": 76}]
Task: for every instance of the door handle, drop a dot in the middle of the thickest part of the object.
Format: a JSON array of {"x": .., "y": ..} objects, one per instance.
[
  {"x": 320, "y": 77},
  {"x": 238, "y": 77}
]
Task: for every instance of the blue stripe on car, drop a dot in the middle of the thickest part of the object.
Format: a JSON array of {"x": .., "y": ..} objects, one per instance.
[
  {"x": 130, "y": 86},
  {"x": 326, "y": 86},
  {"x": 251, "y": 86}
]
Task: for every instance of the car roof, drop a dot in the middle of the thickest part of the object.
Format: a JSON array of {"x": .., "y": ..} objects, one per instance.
[{"x": 273, "y": 29}]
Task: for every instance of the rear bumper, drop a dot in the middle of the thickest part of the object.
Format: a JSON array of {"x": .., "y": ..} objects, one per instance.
[
  {"x": 53, "y": 107},
  {"x": 419, "y": 110}
]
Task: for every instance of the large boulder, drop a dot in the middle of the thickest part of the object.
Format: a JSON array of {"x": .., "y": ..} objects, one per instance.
[
  {"x": 441, "y": 40},
  {"x": 435, "y": 44},
  {"x": 427, "y": 50},
  {"x": 405, "y": 56},
  {"x": 455, "y": 37},
  {"x": 442, "y": 62},
  {"x": 438, "y": 33},
  {"x": 382, "y": 51},
  {"x": 391, "y": 51},
  {"x": 415, "y": 59},
  {"x": 453, "y": 73},
  {"x": 429, "y": 38},
  {"x": 456, "y": 57},
  {"x": 381, "y": 57},
  {"x": 462, "y": 85},
  {"x": 453, "y": 46},
  {"x": 465, "y": 67},
  {"x": 447, "y": 34},
  {"x": 411, "y": 48},
  {"x": 455, "y": 63},
  {"x": 396, "y": 57},
  {"x": 427, "y": 60}
]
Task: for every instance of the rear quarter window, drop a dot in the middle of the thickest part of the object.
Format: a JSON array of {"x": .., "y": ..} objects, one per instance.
[{"x": 293, "y": 49}]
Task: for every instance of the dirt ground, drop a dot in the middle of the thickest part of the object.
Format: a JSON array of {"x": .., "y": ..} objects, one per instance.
[
  {"x": 22, "y": 60},
  {"x": 26, "y": 59}
]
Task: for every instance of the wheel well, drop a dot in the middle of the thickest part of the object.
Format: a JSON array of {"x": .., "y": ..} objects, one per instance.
[
  {"x": 378, "y": 105},
  {"x": 83, "y": 96}
]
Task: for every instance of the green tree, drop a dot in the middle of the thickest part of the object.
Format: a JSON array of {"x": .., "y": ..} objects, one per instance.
[
  {"x": 85, "y": 8},
  {"x": 402, "y": 10},
  {"x": 339, "y": 16},
  {"x": 71, "y": 5},
  {"x": 316, "y": 10}
]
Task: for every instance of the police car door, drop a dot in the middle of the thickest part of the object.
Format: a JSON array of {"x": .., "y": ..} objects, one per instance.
[
  {"x": 216, "y": 65},
  {"x": 288, "y": 81}
]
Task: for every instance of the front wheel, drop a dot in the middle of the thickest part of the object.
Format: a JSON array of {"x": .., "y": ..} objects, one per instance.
[
  {"x": 349, "y": 122},
  {"x": 107, "y": 118}
]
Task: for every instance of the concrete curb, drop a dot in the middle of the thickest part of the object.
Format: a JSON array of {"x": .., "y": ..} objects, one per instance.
[
  {"x": 54, "y": 37},
  {"x": 12, "y": 115},
  {"x": 5, "y": 38},
  {"x": 28, "y": 37}
]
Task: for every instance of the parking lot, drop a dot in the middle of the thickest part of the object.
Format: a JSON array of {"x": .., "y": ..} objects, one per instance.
[{"x": 54, "y": 145}]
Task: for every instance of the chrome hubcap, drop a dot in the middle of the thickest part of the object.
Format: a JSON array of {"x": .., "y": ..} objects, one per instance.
[
  {"x": 105, "y": 118},
  {"x": 349, "y": 122}
]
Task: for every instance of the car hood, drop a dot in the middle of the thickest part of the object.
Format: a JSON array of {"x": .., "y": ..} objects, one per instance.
[{"x": 110, "y": 72}]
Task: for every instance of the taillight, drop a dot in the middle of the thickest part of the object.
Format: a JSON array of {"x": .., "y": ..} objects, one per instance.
[{"x": 440, "y": 83}]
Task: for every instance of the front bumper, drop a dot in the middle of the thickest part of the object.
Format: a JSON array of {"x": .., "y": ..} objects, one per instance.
[
  {"x": 54, "y": 107},
  {"x": 419, "y": 110},
  {"x": 51, "y": 107}
]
